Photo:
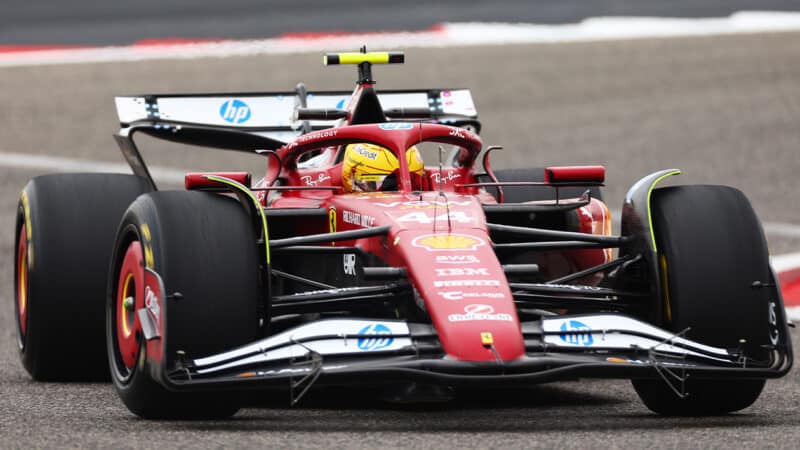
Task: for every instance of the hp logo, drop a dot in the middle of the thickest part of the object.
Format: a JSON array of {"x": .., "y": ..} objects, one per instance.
[
  {"x": 382, "y": 337},
  {"x": 396, "y": 126},
  {"x": 573, "y": 335},
  {"x": 235, "y": 111}
]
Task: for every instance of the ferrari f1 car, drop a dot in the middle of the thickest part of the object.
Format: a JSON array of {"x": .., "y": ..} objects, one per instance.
[{"x": 430, "y": 277}]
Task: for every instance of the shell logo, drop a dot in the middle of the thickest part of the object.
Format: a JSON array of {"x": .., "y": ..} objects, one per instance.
[{"x": 447, "y": 242}]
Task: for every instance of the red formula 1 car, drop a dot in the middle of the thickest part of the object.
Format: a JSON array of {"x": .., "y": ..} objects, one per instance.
[{"x": 373, "y": 252}]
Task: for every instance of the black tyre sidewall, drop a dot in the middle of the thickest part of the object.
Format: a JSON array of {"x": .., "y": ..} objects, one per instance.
[
  {"x": 204, "y": 248},
  {"x": 73, "y": 220}
]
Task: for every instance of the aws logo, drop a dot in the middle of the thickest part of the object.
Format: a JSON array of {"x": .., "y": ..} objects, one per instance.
[{"x": 235, "y": 111}]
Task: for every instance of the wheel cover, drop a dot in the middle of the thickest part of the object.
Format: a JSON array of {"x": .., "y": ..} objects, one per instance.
[
  {"x": 130, "y": 298},
  {"x": 22, "y": 282}
]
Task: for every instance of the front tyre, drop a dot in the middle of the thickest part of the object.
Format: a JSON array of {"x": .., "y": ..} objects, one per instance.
[
  {"x": 711, "y": 249},
  {"x": 205, "y": 249}
]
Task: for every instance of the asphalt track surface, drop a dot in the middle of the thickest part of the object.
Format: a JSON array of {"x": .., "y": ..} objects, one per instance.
[
  {"x": 724, "y": 109},
  {"x": 89, "y": 22}
]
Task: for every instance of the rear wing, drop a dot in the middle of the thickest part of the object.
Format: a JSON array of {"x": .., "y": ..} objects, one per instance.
[
  {"x": 266, "y": 121},
  {"x": 256, "y": 121},
  {"x": 279, "y": 117}
]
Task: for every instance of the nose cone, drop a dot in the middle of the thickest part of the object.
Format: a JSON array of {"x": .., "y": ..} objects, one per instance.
[{"x": 465, "y": 293}]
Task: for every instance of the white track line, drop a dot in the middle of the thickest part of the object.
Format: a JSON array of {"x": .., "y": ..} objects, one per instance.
[
  {"x": 174, "y": 175},
  {"x": 778, "y": 229},
  {"x": 782, "y": 229},
  {"x": 59, "y": 164},
  {"x": 783, "y": 263},
  {"x": 789, "y": 261},
  {"x": 446, "y": 35}
]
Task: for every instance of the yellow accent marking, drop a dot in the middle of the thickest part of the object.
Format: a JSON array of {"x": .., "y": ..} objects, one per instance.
[
  {"x": 649, "y": 211},
  {"x": 246, "y": 375},
  {"x": 396, "y": 240},
  {"x": 142, "y": 357},
  {"x": 26, "y": 211},
  {"x": 149, "y": 260},
  {"x": 125, "y": 330},
  {"x": 240, "y": 187},
  {"x": 607, "y": 230},
  {"x": 146, "y": 231},
  {"x": 332, "y": 220},
  {"x": 662, "y": 263},
  {"x": 487, "y": 338},
  {"x": 358, "y": 58},
  {"x": 22, "y": 289},
  {"x": 616, "y": 360}
]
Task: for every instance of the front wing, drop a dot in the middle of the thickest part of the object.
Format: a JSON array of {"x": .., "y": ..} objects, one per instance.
[{"x": 362, "y": 351}]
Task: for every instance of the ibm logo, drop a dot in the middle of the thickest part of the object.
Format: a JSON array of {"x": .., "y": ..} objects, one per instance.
[{"x": 235, "y": 111}]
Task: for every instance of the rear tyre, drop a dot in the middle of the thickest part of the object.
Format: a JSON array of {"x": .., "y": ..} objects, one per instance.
[
  {"x": 65, "y": 231},
  {"x": 711, "y": 249},
  {"x": 519, "y": 194},
  {"x": 204, "y": 247}
]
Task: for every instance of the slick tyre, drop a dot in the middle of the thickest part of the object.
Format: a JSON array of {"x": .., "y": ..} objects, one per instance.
[
  {"x": 205, "y": 250},
  {"x": 64, "y": 232},
  {"x": 519, "y": 194},
  {"x": 711, "y": 249}
]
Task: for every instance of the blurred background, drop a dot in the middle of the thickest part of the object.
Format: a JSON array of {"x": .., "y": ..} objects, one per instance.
[{"x": 91, "y": 22}]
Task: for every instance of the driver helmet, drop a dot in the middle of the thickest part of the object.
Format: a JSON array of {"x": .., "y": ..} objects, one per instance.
[{"x": 367, "y": 166}]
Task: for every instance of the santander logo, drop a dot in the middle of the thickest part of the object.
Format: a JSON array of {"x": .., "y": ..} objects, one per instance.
[
  {"x": 478, "y": 312},
  {"x": 476, "y": 308}
]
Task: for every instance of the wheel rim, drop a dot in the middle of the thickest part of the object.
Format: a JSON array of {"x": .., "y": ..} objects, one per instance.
[
  {"x": 130, "y": 298},
  {"x": 22, "y": 282}
]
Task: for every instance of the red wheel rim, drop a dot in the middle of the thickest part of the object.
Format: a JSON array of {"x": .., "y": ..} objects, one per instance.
[
  {"x": 130, "y": 298},
  {"x": 22, "y": 280}
]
